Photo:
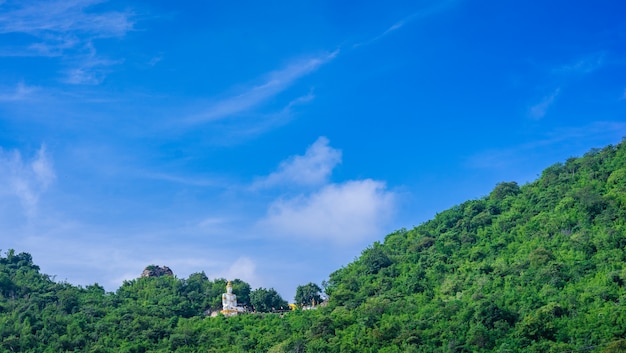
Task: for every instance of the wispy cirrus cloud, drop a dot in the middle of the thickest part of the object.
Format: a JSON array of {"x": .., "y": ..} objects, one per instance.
[
  {"x": 64, "y": 29},
  {"x": 184, "y": 180},
  {"x": 271, "y": 85},
  {"x": 19, "y": 93},
  {"x": 89, "y": 68},
  {"x": 61, "y": 23},
  {"x": 583, "y": 65},
  {"x": 385, "y": 33},
  {"x": 564, "y": 74},
  {"x": 431, "y": 9},
  {"x": 595, "y": 134},
  {"x": 276, "y": 82},
  {"x": 540, "y": 109},
  {"x": 253, "y": 124}
]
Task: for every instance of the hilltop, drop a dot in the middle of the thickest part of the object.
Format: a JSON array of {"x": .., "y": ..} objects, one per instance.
[{"x": 539, "y": 267}]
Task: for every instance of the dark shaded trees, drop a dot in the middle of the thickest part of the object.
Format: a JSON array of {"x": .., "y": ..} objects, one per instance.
[
  {"x": 374, "y": 259},
  {"x": 267, "y": 300},
  {"x": 308, "y": 294}
]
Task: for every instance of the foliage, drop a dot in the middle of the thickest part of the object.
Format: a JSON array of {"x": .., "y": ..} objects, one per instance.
[
  {"x": 534, "y": 268},
  {"x": 374, "y": 259},
  {"x": 267, "y": 300},
  {"x": 308, "y": 294}
]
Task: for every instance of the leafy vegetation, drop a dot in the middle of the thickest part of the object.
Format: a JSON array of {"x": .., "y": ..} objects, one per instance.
[
  {"x": 534, "y": 268},
  {"x": 308, "y": 294},
  {"x": 267, "y": 300}
]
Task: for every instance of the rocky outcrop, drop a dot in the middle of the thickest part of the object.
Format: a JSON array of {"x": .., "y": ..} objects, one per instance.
[{"x": 157, "y": 271}]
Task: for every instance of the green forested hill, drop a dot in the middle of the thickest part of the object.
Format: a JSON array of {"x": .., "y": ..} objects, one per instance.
[
  {"x": 539, "y": 267},
  {"x": 533, "y": 268}
]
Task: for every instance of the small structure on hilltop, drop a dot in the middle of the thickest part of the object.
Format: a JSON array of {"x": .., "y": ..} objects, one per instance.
[
  {"x": 314, "y": 305},
  {"x": 310, "y": 307},
  {"x": 156, "y": 271},
  {"x": 229, "y": 302}
]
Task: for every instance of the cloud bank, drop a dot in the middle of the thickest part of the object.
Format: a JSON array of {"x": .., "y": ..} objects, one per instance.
[{"x": 341, "y": 213}]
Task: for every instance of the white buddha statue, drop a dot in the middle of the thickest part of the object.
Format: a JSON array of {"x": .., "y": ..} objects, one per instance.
[{"x": 229, "y": 300}]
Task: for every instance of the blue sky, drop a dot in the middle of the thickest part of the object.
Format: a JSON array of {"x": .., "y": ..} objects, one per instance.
[{"x": 274, "y": 141}]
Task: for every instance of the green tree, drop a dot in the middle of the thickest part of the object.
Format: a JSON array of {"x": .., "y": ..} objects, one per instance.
[
  {"x": 242, "y": 290},
  {"x": 267, "y": 300},
  {"x": 306, "y": 294},
  {"x": 374, "y": 259},
  {"x": 503, "y": 190}
]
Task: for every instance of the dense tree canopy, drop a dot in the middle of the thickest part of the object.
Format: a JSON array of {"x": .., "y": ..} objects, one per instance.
[{"x": 534, "y": 268}]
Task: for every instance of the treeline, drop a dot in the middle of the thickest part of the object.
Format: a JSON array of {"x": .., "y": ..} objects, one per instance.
[
  {"x": 161, "y": 313},
  {"x": 534, "y": 268}
]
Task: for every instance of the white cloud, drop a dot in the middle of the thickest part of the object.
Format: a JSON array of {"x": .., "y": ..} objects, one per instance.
[
  {"x": 42, "y": 167},
  {"x": 584, "y": 65},
  {"x": 19, "y": 93},
  {"x": 235, "y": 130},
  {"x": 576, "y": 68},
  {"x": 52, "y": 45},
  {"x": 49, "y": 19},
  {"x": 85, "y": 74},
  {"x": 311, "y": 169},
  {"x": 25, "y": 180},
  {"x": 89, "y": 69},
  {"x": 385, "y": 33},
  {"x": 430, "y": 10},
  {"x": 64, "y": 29},
  {"x": 273, "y": 84},
  {"x": 341, "y": 213},
  {"x": 540, "y": 109},
  {"x": 300, "y": 100},
  {"x": 244, "y": 269}
]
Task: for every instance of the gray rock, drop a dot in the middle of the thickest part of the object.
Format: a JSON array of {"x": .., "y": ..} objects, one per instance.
[{"x": 156, "y": 271}]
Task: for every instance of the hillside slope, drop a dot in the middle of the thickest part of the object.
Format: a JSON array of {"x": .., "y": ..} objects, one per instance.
[
  {"x": 539, "y": 267},
  {"x": 533, "y": 268}
]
